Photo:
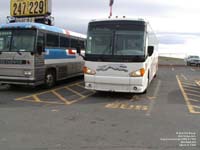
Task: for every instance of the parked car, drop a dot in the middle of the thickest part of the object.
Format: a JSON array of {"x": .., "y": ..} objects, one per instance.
[{"x": 193, "y": 60}]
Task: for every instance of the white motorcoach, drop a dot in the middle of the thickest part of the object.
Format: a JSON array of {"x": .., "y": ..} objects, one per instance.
[{"x": 121, "y": 55}]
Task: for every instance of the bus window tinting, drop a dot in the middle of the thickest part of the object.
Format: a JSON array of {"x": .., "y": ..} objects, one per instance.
[
  {"x": 52, "y": 40},
  {"x": 5, "y": 38},
  {"x": 64, "y": 42},
  {"x": 82, "y": 44},
  {"x": 74, "y": 43},
  {"x": 129, "y": 43},
  {"x": 100, "y": 42},
  {"x": 23, "y": 40}
]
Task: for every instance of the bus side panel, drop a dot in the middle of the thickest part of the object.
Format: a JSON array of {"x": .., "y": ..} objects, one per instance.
[
  {"x": 65, "y": 64},
  {"x": 153, "y": 41}
]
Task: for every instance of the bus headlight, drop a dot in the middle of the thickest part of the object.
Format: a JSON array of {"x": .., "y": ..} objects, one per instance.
[
  {"x": 138, "y": 73},
  {"x": 89, "y": 71},
  {"x": 27, "y": 73}
]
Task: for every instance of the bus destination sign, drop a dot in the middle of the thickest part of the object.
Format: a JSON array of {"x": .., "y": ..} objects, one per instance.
[{"x": 26, "y": 8}]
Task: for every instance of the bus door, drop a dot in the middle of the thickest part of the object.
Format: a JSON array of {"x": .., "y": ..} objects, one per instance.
[{"x": 39, "y": 57}]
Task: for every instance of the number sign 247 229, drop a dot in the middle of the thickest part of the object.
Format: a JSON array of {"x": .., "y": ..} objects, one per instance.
[{"x": 23, "y": 8}]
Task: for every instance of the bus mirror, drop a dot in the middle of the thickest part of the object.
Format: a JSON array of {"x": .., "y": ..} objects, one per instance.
[
  {"x": 85, "y": 44},
  {"x": 78, "y": 50},
  {"x": 150, "y": 50}
]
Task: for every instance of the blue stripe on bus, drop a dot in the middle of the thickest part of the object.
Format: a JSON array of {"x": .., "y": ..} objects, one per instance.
[{"x": 58, "y": 54}]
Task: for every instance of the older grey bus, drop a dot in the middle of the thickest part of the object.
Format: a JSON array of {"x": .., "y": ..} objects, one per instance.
[{"x": 34, "y": 54}]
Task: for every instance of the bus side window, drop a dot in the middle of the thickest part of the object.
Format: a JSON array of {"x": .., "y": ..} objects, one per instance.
[
  {"x": 64, "y": 42},
  {"x": 40, "y": 43},
  {"x": 74, "y": 43},
  {"x": 82, "y": 44},
  {"x": 52, "y": 40}
]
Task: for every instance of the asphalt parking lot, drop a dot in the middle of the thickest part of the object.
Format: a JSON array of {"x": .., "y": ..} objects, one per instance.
[{"x": 69, "y": 117}]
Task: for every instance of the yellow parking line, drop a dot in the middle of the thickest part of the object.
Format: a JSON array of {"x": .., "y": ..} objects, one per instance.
[
  {"x": 45, "y": 102},
  {"x": 44, "y": 92},
  {"x": 56, "y": 89},
  {"x": 196, "y": 107},
  {"x": 80, "y": 86},
  {"x": 49, "y": 91},
  {"x": 75, "y": 84},
  {"x": 194, "y": 88},
  {"x": 80, "y": 99},
  {"x": 75, "y": 92},
  {"x": 36, "y": 98},
  {"x": 191, "y": 109},
  {"x": 187, "y": 81},
  {"x": 184, "y": 81},
  {"x": 60, "y": 97},
  {"x": 193, "y": 94},
  {"x": 198, "y": 83},
  {"x": 194, "y": 100},
  {"x": 24, "y": 97},
  {"x": 185, "y": 78},
  {"x": 195, "y": 91},
  {"x": 190, "y": 84}
]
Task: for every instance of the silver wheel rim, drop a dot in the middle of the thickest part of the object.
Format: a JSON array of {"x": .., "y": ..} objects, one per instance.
[{"x": 49, "y": 79}]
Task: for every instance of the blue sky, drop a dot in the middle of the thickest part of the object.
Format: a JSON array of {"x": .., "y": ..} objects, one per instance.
[{"x": 176, "y": 22}]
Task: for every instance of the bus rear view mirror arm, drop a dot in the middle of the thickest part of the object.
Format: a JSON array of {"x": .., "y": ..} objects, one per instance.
[
  {"x": 78, "y": 50},
  {"x": 150, "y": 50}
]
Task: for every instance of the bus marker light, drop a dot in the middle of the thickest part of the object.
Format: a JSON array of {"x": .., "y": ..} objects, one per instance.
[
  {"x": 89, "y": 71},
  {"x": 138, "y": 73}
]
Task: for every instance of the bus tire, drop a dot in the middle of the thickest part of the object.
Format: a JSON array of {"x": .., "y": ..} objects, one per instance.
[{"x": 50, "y": 79}]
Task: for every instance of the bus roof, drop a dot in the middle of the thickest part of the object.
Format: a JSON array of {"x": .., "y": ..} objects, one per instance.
[
  {"x": 119, "y": 19},
  {"x": 29, "y": 25}
]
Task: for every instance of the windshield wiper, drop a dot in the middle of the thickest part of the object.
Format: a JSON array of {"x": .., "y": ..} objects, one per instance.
[{"x": 19, "y": 53}]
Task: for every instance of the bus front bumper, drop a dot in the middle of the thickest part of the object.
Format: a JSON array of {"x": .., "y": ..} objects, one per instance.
[
  {"x": 115, "y": 84},
  {"x": 18, "y": 80}
]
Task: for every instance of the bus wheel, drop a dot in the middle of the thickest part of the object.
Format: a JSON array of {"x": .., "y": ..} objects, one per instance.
[{"x": 50, "y": 79}]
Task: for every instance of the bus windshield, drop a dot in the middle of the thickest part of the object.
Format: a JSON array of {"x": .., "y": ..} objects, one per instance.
[
  {"x": 17, "y": 40},
  {"x": 104, "y": 41},
  {"x": 100, "y": 41},
  {"x": 116, "y": 41},
  {"x": 129, "y": 43}
]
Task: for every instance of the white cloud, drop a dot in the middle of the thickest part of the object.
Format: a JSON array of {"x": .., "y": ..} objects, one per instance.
[{"x": 171, "y": 16}]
